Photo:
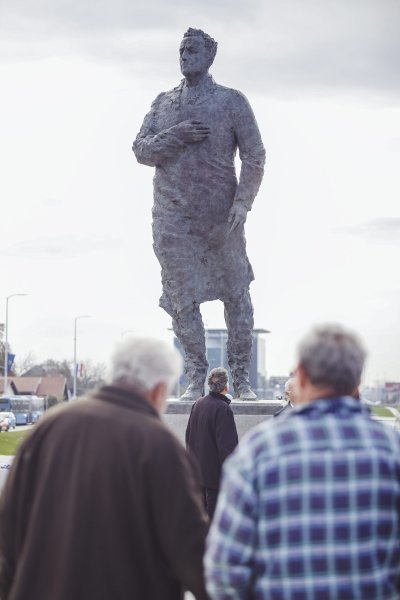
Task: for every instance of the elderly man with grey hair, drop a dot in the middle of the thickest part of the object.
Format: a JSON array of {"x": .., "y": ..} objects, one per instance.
[
  {"x": 211, "y": 435},
  {"x": 310, "y": 505},
  {"x": 102, "y": 501},
  {"x": 291, "y": 396}
]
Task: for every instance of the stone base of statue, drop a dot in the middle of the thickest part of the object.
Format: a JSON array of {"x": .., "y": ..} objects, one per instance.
[
  {"x": 248, "y": 414},
  {"x": 246, "y": 394},
  {"x": 239, "y": 407}
]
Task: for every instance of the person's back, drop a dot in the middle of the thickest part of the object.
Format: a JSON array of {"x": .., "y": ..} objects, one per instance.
[
  {"x": 99, "y": 504},
  {"x": 209, "y": 438},
  {"x": 325, "y": 487},
  {"x": 211, "y": 435},
  {"x": 310, "y": 503}
]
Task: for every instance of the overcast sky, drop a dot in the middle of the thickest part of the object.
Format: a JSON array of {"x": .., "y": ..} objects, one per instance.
[{"x": 323, "y": 237}]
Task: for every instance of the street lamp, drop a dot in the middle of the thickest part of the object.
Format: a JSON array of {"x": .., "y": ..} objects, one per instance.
[
  {"x": 6, "y": 342},
  {"x": 75, "y": 364}
]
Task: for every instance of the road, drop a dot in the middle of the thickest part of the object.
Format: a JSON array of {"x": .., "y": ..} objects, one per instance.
[{"x": 22, "y": 427}]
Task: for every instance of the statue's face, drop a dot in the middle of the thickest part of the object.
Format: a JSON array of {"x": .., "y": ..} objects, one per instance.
[{"x": 194, "y": 56}]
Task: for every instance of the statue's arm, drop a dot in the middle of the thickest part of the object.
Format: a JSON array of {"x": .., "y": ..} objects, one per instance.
[
  {"x": 252, "y": 156},
  {"x": 153, "y": 147},
  {"x": 251, "y": 152}
]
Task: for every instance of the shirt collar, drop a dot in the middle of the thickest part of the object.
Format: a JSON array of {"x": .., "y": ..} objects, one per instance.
[{"x": 340, "y": 405}]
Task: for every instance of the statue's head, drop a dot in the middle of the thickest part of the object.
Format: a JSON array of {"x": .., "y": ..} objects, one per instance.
[{"x": 197, "y": 52}]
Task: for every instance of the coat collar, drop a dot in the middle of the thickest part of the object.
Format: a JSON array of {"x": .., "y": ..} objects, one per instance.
[
  {"x": 205, "y": 85},
  {"x": 126, "y": 397},
  {"x": 201, "y": 92},
  {"x": 220, "y": 396}
]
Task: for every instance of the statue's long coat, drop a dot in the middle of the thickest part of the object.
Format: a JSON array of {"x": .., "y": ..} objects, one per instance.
[{"x": 195, "y": 186}]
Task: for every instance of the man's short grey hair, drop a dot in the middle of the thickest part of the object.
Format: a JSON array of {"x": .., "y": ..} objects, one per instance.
[
  {"x": 333, "y": 356},
  {"x": 217, "y": 380},
  {"x": 289, "y": 384},
  {"x": 209, "y": 42},
  {"x": 142, "y": 363}
]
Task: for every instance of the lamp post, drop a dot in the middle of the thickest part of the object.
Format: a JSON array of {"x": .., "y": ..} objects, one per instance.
[
  {"x": 75, "y": 364},
  {"x": 6, "y": 342}
]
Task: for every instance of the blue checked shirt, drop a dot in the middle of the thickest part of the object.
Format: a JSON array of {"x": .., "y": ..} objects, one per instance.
[{"x": 309, "y": 509}]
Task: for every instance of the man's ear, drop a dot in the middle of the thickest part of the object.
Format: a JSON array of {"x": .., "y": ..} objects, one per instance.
[
  {"x": 158, "y": 396},
  {"x": 301, "y": 377}
]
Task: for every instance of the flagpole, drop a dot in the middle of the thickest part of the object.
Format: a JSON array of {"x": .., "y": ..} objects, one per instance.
[{"x": 75, "y": 364}]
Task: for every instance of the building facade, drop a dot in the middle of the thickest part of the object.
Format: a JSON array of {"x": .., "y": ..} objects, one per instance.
[{"x": 217, "y": 357}]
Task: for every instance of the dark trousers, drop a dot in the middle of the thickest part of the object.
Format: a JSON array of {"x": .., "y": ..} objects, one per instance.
[{"x": 210, "y": 497}]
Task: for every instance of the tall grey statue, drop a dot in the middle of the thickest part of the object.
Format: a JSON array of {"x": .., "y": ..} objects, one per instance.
[{"x": 191, "y": 136}]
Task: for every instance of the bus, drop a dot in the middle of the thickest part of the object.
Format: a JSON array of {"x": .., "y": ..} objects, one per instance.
[{"x": 27, "y": 409}]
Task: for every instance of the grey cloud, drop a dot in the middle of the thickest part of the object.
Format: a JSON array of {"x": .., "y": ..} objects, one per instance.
[
  {"x": 332, "y": 44},
  {"x": 384, "y": 229},
  {"x": 60, "y": 246},
  {"x": 270, "y": 46},
  {"x": 72, "y": 17}
]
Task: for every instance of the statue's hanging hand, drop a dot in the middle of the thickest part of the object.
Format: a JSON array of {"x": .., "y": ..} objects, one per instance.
[{"x": 237, "y": 215}]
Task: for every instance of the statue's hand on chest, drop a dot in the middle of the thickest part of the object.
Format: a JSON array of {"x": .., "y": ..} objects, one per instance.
[
  {"x": 190, "y": 131},
  {"x": 193, "y": 123}
]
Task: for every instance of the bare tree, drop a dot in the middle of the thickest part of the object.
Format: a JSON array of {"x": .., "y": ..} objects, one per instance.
[
  {"x": 93, "y": 375},
  {"x": 25, "y": 363}
]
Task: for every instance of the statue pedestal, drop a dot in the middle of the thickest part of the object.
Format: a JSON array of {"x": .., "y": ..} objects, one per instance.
[
  {"x": 239, "y": 407},
  {"x": 247, "y": 414}
]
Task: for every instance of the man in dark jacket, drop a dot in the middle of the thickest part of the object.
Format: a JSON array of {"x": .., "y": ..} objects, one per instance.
[
  {"x": 102, "y": 501},
  {"x": 211, "y": 435}
]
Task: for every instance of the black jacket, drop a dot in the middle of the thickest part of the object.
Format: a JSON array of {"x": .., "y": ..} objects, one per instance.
[{"x": 211, "y": 436}]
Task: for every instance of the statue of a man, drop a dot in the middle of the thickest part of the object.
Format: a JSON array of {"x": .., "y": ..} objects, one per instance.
[{"x": 191, "y": 136}]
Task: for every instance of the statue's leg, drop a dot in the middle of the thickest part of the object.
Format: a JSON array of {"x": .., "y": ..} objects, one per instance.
[
  {"x": 239, "y": 322},
  {"x": 189, "y": 329}
]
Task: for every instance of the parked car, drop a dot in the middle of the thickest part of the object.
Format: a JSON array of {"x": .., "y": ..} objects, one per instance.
[{"x": 7, "y": 421}]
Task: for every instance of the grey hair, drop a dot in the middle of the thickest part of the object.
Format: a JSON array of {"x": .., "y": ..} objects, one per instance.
[
  {"x": 217, "y": 380},
  {"x": 332, "y": 356},
  {"x": 288, "y": 384},
  {"x": 209, "y": 42},
  {"x": 143, "y": 363}
]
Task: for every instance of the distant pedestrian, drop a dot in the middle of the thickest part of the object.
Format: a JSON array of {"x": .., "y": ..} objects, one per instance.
[
  {"x": 309, "y": 506},
  {"x": 102, "y": 501},
  {"x": 291, "y": 397},
  {"x": 211, "y": 434}
]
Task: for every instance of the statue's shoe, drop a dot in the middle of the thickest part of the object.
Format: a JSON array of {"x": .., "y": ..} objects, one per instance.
[
  {"x": 246, "y": 393},
  {"x": 192, "y": 393}
]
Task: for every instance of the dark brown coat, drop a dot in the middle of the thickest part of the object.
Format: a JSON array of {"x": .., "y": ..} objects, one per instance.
[{"x": 101, "y": 503}]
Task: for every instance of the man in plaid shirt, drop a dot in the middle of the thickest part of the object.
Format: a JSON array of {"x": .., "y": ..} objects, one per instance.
[{"x": 309, "y": 507}]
